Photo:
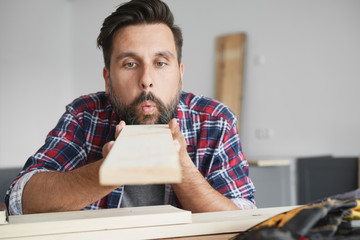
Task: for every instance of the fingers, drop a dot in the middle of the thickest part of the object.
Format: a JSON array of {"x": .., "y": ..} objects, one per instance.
[
  {"x": 119, "y": 128},
  {"x": 177, "y": 145},
  {"x": 176, "y": 134},
  {"x": 180, "y": 144},
  {"x": 174, "y": 127},
  {"x": 106, "y": 148}
]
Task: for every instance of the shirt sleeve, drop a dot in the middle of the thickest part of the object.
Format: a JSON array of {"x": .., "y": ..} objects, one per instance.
[
  {"x": 243, "y": 203},
  {"x": 15, "y": 196},
  {"x": 64, "y": 150},
  {"x": 229, "y": 173}
]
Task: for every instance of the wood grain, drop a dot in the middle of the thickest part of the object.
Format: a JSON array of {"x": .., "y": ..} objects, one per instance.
[
  {"x": 202, "y": 224},
  {"x": 92, "y": 220},
  {"x": 230, "y": 52},
  {"x": 142, "y": 154}
]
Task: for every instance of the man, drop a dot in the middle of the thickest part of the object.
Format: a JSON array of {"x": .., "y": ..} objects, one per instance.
[{"x": 143, "y": 78}]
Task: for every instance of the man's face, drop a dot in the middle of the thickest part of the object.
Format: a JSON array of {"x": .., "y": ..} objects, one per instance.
[{"x": 145, "y": 77}]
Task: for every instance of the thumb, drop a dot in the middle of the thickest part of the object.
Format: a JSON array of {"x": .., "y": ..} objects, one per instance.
[
  {"x": 106, "y": 148},
  {"x": 174, "y": 127}
]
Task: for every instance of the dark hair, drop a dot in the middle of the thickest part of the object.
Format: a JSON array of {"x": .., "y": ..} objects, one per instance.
[{"x": 137, "y": 12}]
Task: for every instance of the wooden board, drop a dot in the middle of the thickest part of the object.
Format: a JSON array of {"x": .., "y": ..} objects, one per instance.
[
  {"x": 220, "y": 236},
  {"x": 230, "y": 51},
  {"x": 268, "y": 163},
  {"x": 92, "y": 220},
  {"x": 202, "y": 224},
  {"x": 142, "y": 154},
  {"x": 3, "y": 213}
]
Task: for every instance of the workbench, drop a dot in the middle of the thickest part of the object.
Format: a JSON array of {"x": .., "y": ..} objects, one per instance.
[{"x": 156, "y": 222}]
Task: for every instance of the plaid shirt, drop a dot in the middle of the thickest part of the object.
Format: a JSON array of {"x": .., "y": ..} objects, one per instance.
[{"x": 208, "y": 126}]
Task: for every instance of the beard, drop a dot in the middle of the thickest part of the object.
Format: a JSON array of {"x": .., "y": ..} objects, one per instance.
[{"x": 132, "y": 114}]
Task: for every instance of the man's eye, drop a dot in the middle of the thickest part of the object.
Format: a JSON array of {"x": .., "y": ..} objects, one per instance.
[
  {"x": 130, "y": 65},
  {"x": 160, "y": 64}
]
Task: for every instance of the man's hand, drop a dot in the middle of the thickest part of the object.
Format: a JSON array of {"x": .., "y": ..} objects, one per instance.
[
  {"x": 194, "y": 192},
  {"x": 107, "y": 147},
  {"x": 180, "y": 143},
  {"x": 65, "y": 191}
]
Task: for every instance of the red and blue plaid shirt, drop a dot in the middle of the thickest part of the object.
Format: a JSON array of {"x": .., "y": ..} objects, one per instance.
[{"x": 208, "y": 126}]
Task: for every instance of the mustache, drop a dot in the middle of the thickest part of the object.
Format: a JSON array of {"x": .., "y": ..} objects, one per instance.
[
  {"x": 148, "y": 97},
  {"x": 166, "y": 112},
  {"x": 131, "y": 115}
]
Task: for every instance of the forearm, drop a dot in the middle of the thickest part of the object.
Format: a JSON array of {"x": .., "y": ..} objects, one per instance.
[
  {"x": 64, "y": 191},
  {"x": 194, "y": 192},
  {"x": 197, "y": 195}
]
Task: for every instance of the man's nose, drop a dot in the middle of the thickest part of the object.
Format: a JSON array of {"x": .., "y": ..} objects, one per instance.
[{"x": 146, "y": 79}]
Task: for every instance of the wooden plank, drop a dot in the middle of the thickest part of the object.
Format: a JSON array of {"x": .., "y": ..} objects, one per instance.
[
  {"x": 3, "y": 213},
  {"x": 142, "y": 154},
  {"x": 92, "y": 220},
  {"x": 268, "y": 163},
  {"x": 202, "y": 224},
  {"x": 230, "y": 51},
  {"x": 221, "y": 236}
]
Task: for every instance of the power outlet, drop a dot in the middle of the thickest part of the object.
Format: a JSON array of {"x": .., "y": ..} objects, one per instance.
[{"x": 264, "y": 133}]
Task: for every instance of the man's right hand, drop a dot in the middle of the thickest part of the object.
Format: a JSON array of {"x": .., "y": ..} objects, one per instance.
[
  {"x": 65, "y": 191},
  {"x": 107, "y": 147}
]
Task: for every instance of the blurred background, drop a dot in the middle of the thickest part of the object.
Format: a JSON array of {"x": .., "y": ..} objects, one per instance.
[{"x": 301, "y": 81}]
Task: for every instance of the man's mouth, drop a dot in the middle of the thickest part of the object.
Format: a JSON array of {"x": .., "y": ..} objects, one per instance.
[{"x": 148, "y": 107}]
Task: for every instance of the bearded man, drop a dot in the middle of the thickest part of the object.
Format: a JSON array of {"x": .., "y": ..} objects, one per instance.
[{"x": 143, "y": 76}]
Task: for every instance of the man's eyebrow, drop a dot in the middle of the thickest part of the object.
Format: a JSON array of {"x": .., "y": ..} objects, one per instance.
[
  {"x": 124, "y": 55},
  {"x": 166, "y": 53}
]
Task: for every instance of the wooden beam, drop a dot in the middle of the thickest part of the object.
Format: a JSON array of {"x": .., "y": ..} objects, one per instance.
[
  {"x": 3, "y": 213},
  {"x": 230, "y": 52},
  {"x": 202, "y": 224},
  {"x": 268, "y": 163},
  {"x": 142, "y": 154},
  {"x": 92, "y": 220}
]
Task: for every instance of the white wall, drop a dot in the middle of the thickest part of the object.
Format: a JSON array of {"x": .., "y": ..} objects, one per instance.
[
  {"x": 35, "y": 76},
  {"x": 305, "y": 93}
]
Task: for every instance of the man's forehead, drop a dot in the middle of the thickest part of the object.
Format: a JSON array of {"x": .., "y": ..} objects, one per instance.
[{"x": 157, "y": 38}]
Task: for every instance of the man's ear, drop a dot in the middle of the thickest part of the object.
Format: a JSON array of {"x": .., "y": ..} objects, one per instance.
[
  {"x": 106, "y": 75},
  {"x": 181, "y": 75}
]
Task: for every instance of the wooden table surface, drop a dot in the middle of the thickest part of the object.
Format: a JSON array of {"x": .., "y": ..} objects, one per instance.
[{"x": 160, "y": 222}]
